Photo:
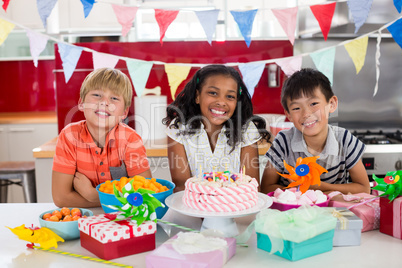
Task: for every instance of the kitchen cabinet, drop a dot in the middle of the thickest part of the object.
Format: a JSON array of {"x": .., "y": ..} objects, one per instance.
[{"x": 18, "y": 140}]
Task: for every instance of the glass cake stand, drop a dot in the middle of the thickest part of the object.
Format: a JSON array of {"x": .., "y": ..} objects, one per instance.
[{"x": 220, "y": 221}]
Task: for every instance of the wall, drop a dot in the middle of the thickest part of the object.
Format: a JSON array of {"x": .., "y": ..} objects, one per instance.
[
  {"x": 26, "y": 88},
  {"x": 265, "y": 100}
]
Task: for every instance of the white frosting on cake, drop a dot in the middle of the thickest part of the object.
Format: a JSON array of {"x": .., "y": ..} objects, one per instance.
[{"x": 221, "y": 195}]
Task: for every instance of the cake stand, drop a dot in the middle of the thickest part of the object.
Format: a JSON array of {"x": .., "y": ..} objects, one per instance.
[{"x": 220, "y": 221}]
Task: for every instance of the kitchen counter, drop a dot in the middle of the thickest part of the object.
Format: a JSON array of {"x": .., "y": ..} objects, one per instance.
[
  {"x": 155, "y": 148},
  {"x": 376, "y": 249},
  {"x": 28, "y": 118}
]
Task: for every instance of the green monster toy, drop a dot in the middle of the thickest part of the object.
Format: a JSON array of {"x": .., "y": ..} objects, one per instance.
[{"x": 391, "y": 185}]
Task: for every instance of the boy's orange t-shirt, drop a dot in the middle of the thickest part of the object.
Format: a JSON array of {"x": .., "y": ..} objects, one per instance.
[{"x": 76, "y": 151}]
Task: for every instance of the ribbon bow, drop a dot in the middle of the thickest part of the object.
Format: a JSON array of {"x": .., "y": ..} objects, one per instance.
[
  {"x": 306, "y": 172},
  {"x": 138, "y": 205},
  {"x": 340, "y": 215},
  {"x": 391, "y": 184},
  {"x": 296, "y": 225}
]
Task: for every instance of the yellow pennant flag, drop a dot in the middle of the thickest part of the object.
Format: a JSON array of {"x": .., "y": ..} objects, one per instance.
[
  {"x": 357, "y": 50},
  {"x": 176, "y": 74},
  {"x": 5, "y": 28}
]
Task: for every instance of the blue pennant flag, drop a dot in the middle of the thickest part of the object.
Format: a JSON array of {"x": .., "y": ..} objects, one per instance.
[
  {"x": 396, "y": 30},
  {"x": 360, "y": 10},
  {"x": 244, "y": 20},
  {"x": 69, "y": 56},
  {"x": 251, "y": 73},
  {"x": 324, "y": 61},
  {"x": 398, "y": 5},
  {"x": 45, "y": 7},
  {"x": 88, "y": 4},
  {"x": 208, "y": 20}
]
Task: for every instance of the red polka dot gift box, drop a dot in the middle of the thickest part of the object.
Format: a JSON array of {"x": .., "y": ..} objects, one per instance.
[{"x": 109, "y": 239}]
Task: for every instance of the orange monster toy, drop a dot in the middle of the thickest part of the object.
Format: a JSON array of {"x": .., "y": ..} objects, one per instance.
[{"x": 306, "y": 172}]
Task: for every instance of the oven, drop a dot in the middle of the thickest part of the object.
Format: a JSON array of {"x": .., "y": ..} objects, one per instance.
[{"x": 383, "y": 150}]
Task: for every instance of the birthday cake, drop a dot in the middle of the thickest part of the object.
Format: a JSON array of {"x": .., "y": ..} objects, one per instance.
[{"x": 221, "y": 192}]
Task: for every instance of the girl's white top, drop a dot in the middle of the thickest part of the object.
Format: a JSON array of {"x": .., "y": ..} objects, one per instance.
[{"x": 199, "y": 153}]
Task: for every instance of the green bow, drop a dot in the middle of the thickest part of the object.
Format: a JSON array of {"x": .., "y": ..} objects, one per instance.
[
  {"x": 138, "y": 205},
  {"x": 391, "y": 184}
]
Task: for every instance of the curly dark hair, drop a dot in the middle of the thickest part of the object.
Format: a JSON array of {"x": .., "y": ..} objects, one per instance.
[{"x": 187, "y": 112}]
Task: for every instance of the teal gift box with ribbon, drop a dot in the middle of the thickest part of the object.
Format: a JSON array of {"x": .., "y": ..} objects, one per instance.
[{"x": 297, "y": 233}]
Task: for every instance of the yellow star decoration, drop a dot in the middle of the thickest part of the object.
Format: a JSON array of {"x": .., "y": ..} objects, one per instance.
[
  {"x": 306, "y": 172},
  {"x": 43, "y": 236}
]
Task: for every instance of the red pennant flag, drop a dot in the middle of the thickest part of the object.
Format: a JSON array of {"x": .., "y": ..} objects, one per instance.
[
  {"x": 324, "y": 14},
  {"x": 5, "y": 4},
  {"x": 164, "y": 19}
]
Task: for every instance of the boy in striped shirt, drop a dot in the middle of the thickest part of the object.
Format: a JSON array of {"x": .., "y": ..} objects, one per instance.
[
  {"x": 100, "y": 147},
  {"x": 308, "y": 99}
]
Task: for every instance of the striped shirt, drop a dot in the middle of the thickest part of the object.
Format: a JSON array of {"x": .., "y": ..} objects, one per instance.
[
  {"x": 341, "y": 152},
  {"x": 76, "y": 151}
]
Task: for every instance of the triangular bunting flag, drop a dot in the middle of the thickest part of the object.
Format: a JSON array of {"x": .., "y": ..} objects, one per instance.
[
  {"x": 164, "y": 18},
  {"x": 102, "y": 60},
  {"x": 244, "y": 20},
  {"x": 359, "y": 10},
  {"x": 37, "y": 44},
  {"x": 176, "y": 74},
  {"x": 290, "y": 65},
  {"x": 45, "y": 7},
  {"x": 287, "y": 19},
  {"x": 208, "y": 20},
  {"x": 357, "y": 50},
  {"x": 324, "y": 14},
  {"x": 251, "y": 73},
  {"x": 5, "y": 4},
  {"x": 324, "y": 62},
  {"x": 398, "y": 5},
  {"x": 125, "y": 16},
  {"x": 5, "y": 29},
  {"x": 396, "y": 30},
  {"x": 87, "y": 4},
  {"x": 69, "y": 56},
  {"x": 139, "y": 72}
]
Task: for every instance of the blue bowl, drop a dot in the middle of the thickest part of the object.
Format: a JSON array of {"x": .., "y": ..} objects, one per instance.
[
  {"x": 110, "y": 199},
  {"x": 68, "y": 230}
]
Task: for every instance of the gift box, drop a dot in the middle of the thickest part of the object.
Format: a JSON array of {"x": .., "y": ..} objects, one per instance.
[
  {"x": 167, "y": 255},
  {"x": 109, "y": 239},
  {"x": 390, "y": 222},
  {"x": 364, "y": 206},
  {"x": 348, "y": 228},
  {"x": 297, "y": 233}
]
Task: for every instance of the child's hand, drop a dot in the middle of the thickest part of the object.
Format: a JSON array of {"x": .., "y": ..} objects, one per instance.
[{"x": 84, "y": 187}]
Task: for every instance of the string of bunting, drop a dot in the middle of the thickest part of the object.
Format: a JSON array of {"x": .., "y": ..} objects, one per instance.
[{"x": 139, "y": 70}]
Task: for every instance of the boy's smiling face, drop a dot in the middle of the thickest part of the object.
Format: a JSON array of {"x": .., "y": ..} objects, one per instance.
[
  {"x": 103, "y": 109},
  {"x": 310, "y": 114}
]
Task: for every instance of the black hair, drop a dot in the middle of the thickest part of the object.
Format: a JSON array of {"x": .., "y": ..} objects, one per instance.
[
  {"x": 187, "y": 112},
  {"x": 304, "y": 83}
]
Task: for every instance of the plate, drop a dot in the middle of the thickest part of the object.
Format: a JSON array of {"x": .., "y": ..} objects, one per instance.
[{"x": 175, "y": 202}]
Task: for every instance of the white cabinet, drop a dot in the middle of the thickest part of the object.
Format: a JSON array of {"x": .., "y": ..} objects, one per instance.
[{"x": 18, "y": 140}]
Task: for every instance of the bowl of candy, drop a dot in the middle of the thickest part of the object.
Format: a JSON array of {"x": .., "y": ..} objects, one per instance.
[
  {"x": 162, "y": 188},
  {"x": 64, "y": 221},
  {"x": 290, "y": 198}
]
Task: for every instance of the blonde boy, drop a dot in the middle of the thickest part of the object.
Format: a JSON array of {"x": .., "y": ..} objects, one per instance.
[{"x": 100, "y": 147}]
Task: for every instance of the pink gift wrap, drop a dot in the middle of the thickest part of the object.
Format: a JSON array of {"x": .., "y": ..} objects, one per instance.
[
  {"x": 368, "y": 212},
  {"x": 166, "y": 256},
  {"x": 391, "y": 220}
]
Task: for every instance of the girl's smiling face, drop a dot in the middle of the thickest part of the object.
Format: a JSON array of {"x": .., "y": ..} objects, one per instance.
[
  {"x": 310, "y": 114},
  {"x": 217, "y": 99}
]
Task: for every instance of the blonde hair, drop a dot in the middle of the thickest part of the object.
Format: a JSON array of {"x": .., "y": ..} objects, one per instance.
[{"x": 112, "y": 79}]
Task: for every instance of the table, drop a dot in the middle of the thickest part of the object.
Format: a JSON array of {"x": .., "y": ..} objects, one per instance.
[{"x": 376, "y": 250}]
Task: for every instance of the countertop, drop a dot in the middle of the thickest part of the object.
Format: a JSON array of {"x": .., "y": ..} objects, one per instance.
[
  {"x": 28, "y": 118},
  {"x": 155, "y": 148},
  {"x": 376, "y": 249}
]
